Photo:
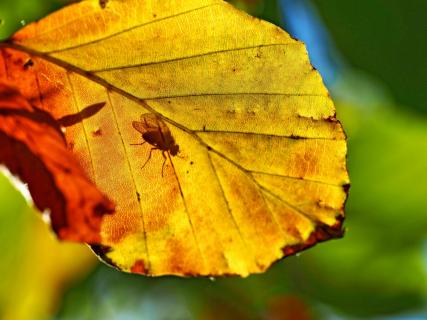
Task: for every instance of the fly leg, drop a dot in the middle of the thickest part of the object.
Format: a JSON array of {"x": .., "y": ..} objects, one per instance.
[
  {"x": 163, "y": 165},
  {"x": 138, "y": 144},
  {"x": 149, "y": 157}
]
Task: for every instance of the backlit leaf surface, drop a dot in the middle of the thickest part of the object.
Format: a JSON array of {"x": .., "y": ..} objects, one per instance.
[{"x": 261, "y": 170}]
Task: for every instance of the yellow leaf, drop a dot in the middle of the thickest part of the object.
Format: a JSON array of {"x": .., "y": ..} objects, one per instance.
[{"x": 242, "y": 160}]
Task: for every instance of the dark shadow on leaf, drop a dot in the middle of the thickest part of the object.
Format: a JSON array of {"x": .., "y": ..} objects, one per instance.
[{"x": 70, "y": 120}]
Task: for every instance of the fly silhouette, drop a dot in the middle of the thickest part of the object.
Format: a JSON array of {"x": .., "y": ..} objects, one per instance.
[{"x": 156, "y": 133}]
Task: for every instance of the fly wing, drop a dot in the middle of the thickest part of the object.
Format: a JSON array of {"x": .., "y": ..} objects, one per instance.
[
  {"x": 139, "y": 126},
  {"x": 152, "y": 121},
  {"x": 156, "y": 132},
  {"x": 149, "y": 122}
]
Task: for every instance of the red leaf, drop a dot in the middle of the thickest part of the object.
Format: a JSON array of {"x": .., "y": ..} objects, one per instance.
[{"x": 32, "y": 146}]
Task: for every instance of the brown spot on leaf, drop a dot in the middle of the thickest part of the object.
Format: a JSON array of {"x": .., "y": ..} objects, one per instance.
[
  {"x": 103, "y": 3},
  {"x": 346, "y": 188},
  {"x": 332, "y": 118},
  {"x": 321, "y": 233},
  {"x": 28, "y": 64},
  {"x": 139, "y": 267},
  {"x": 101, "y": 251},
  {"x": 97, "y": 133},
  {"x": 177, "y": 262}
]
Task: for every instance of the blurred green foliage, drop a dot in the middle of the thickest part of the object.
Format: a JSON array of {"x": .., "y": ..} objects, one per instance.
[
  {"x": 12, "y": 230},
  {"x": 377, "y": 269},
  {"x": 16, "y": 13},
  {"x": 386, "y": 39}
]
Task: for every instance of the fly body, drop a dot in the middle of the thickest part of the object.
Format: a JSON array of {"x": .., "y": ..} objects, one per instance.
[{"x": 156, "y": 133}]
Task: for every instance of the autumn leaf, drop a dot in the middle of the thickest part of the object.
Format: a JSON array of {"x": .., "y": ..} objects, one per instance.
[
  {"x": 218, "y": 140},
  {"x": 32, "y": 147}
]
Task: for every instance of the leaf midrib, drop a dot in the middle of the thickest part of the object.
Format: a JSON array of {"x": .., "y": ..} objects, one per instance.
[{"x": 90, "y": 76}]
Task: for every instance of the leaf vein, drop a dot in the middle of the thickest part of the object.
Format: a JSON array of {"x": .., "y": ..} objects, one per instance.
[
  {"x": 296, "y": 178},
  {"x": 133, "y": 177},
  {"x": 287, "y": 203},
  {"x": 248, "y": 173},
  {"x": 83, "y": 125},
  {"x": 191, "y": 57},
  {"x": 232, "y": 94},
  {"x": 233, "y": 219},
  {"x": 269, "y": 210},
  {"x": 127, "y": 30},
  {"x": 187, "y": 211},
  {"x": 291, "y": 137}
]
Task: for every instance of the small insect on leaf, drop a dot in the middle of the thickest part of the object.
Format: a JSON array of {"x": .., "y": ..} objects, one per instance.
[{"x": 155, "y": 132}]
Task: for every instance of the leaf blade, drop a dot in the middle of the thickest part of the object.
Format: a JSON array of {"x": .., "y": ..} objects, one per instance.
[{"x": 246, "y": 109}]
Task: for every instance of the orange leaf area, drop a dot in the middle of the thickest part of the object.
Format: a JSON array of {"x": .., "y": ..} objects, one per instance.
[
  {"x": 209, "y": 129},
  {"x": 33, "y": 147}
]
